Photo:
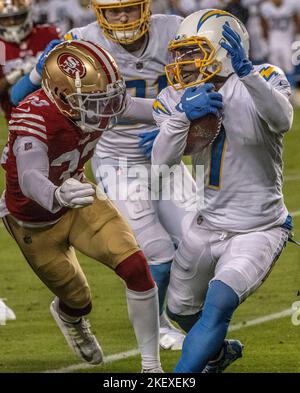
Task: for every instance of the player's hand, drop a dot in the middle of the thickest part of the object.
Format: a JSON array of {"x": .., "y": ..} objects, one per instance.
[
  {"x": 146, "y": 142},
  {"x": 198, "y": 102},
  {"x": 239, "y": 59},
  {"x": 40, "y": 64},
  {"x": 74, "y": 194}
]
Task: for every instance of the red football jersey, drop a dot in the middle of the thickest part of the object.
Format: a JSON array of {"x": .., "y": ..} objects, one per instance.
[
  {"x": 28, "y": 51},
  {"x": 68, "y": 150}
]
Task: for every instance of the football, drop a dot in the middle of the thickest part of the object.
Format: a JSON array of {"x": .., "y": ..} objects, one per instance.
[{"x": 202, "y": 133}]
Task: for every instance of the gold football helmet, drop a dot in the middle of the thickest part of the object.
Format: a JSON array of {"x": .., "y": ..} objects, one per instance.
[
  {"x": 84, "y": 82},
  {"x": 15, "y": 20},
  {"x": 123, "y": 33}
]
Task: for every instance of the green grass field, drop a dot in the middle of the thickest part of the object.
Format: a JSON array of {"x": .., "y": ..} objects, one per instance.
[{"x": 33, "y": 343}]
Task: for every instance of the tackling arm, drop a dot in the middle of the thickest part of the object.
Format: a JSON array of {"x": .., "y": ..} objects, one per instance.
[
  {"x": 138, "y": 109},
  {"x": 33, "y": 171}
]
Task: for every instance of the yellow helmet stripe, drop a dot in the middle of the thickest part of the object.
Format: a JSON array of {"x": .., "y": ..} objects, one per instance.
[{"x": 209, "y": 14}]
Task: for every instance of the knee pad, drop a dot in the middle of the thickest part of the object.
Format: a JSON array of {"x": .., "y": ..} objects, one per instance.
[
  {"x": 186, "y": 322},
  {"x": 155, "y": 242},
  {"x": 136, "y": 273}
]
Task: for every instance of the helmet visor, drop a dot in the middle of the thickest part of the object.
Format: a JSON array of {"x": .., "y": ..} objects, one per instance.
[{"x": 98, "y": 111}]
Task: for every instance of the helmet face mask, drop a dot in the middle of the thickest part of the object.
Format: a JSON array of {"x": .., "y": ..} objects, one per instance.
[
  {"x": 84, "y": 82},
  {"x": 98, "y": 111},
  {"x": 192, "y": 58},
  {"x": 199, "y": 41},
  {"x": 123, "y": 33},
  {"x": 16, "y": 20}
]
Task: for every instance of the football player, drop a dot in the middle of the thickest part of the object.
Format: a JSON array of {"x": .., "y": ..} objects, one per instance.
[
  {"x": 258, "y": 44},
  {"x": 50, "y": 209},
  {"x": 138, "y": 42},
  {"x": 280, "y": 21},
  {"x": 23, "y": 42},
  {"x": 235, "y": 240}
]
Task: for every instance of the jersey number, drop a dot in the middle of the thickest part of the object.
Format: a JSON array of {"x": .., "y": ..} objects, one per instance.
[
  {"x": 140, "y": 86},
  {"x": 73, "y": 157},
  {"x": 216, "y": 160}
]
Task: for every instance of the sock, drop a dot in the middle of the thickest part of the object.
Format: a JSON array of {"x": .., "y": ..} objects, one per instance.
[
  {"x": 66, "y": 317},
  {"x": 205, "y": 339},
  {"x": 186, "y": 322},
  {"x": 143, "y": 314},
  {"x": 161, "y": 276}
]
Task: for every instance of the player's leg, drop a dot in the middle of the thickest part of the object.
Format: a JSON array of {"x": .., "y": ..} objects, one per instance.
[
  {"x": 243, "y": 266},
  {"x": 141, "y": 213},
  {"x": 176, "y": 210},
  {"x": 192, "y": 269},
  {"x": 49, "y": 254},
  {"x": 109, "y": 239}
]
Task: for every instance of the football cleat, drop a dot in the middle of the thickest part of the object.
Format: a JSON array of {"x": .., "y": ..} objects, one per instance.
[
  {"x": 156, "y": 370},
  {"x": 6, "y": 313},
  {"x": 169, "y": 336},
  {"x": 79, "y": 337},
  {"x": 231, "y": 351}
]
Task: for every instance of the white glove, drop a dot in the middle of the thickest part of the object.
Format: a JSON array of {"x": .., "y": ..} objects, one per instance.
[{"x": 74, "y": 194}]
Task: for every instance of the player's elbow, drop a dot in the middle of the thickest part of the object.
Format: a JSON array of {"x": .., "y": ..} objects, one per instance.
[
  {"x": 286, "y": 120},
  {"x": 25, "y": 182}
]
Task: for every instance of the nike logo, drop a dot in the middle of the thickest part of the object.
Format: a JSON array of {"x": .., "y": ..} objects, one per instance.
[{"x": 192, "y": 98}]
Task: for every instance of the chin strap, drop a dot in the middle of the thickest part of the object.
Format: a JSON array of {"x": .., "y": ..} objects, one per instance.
[{"x": 78, "y": 86}]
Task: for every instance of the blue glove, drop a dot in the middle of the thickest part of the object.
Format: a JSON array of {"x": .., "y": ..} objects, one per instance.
[
  {"x": 52, "y": 44},
  {"x": 197, "y": 102},
  {"x": 146, "y": 142},
  {"x": 240, "y": 61}
]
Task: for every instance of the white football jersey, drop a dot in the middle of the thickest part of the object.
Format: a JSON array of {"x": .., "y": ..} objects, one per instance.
[
  {"x": 59, "y": 14},
  {"x": 243, "y": 167},
  {"x": 280, "y": 22},
  {"x": 144, "y": 75}
]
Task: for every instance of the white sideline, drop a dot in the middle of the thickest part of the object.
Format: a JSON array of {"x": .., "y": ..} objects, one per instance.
[{"x": 134, "y": 352}]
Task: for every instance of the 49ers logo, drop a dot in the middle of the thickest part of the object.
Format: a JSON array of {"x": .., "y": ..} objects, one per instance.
[{"x": 70, "y": 64}]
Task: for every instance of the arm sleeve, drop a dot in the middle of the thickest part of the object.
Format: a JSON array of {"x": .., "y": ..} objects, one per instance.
[
  {"x": 33, "y": 171},
  {"x": 138, "y": 109},
  {"x": 270, "y": 92},
  {"x": 170, "y": 143},
  {"x": 173, "y": 125},
  {"x": 25, "y": 86}
]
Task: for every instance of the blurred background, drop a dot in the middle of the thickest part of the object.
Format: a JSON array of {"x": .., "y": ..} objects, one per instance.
[
  {"x": 263, "y": 323},
  {"x": 266, "y": 30}
]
